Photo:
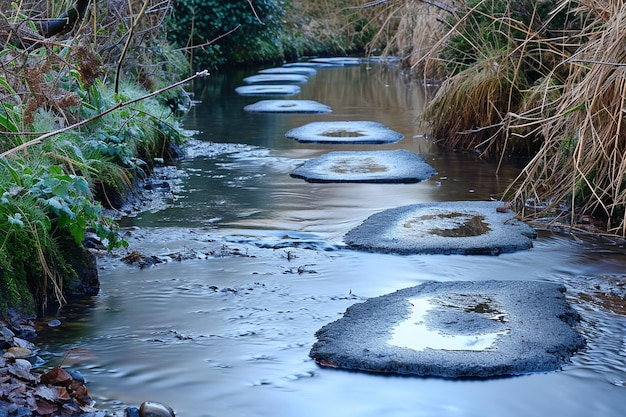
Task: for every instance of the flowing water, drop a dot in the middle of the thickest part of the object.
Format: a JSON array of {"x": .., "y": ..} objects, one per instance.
[{"x": 230, "y": 335}]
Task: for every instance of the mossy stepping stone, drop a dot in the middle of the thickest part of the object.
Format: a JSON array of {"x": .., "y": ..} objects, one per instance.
[
  {"x": 459, "y": 329},
  {"x": 276, "y": 78},
  {"x": 268, "y": 90},
  {"x": 339, "y": 61},
  {"x": 290, "y": 70},
  {"x": 399, "y": 166},
  {"x": 287, "y": 106},
  {"x": 309, "y": 65},
  {"x": 350, "y": 132},
  {"x": 463, "y": 227}
]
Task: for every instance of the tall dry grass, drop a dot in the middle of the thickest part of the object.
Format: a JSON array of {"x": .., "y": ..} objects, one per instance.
[
  {"x": 545, "y": 79},
  {"x": 410, "y": 29},
  {"x": 579, "y": 169}
]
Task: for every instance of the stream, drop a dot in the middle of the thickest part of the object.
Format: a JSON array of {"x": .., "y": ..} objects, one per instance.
[{"x": 228, "y": 332}]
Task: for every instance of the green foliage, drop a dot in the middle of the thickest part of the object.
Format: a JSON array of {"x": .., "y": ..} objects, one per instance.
[
  {"x": 51, "y": 191},
  {"x": 237, "y": 32},
  {"x": 201, "y": 22},
  {"x": 486, "y": 27},
  {"x": 23, "y": 227},
  {"x": 520, "y": 47}
]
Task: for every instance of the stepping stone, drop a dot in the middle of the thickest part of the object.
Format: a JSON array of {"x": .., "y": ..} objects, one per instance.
[
  {"x": 350, "y": 132},
  {"x": 290, "y": 70},
  {"x": 287, "y": 106},
  {"x": 383, "y": 59},
  {"x": 340, "y": 61},
  {"x": 268, "y": 90},
  {"x": 462, "y": 329},
  {"x": 276, "y": 78},
  {"x": 463, "y": 227},
  {"x": 399, "y": 166},
  {"x": 310, "y": 65}
]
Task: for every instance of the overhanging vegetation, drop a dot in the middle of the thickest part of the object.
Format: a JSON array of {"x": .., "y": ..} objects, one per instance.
[
  {"x": 539, "y": 79},
  {"x": 71, "y": 140}
]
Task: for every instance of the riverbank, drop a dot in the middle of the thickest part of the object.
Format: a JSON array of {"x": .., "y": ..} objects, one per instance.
[
  {"x": 111, "y": 107},
  {"x": 544, "y": 80}
]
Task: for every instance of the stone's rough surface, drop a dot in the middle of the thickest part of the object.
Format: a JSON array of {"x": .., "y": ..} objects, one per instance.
[
  {"x": 351, "y": 132},
  {"x": 290, "y": 70},
  {"x": 463, "y": 227},
  {"x": 268, "y": 90},
  {"x": 287, "y": 106},
  {"x": 276, "y": 78},
  {"x": 399, "y": 166},
  {"x": 529, "y": 323}
]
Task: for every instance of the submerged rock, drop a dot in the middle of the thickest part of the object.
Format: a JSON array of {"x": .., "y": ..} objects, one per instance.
[
  {"x": 455, "y": 330},
  {"x": 155, "y": 409}
]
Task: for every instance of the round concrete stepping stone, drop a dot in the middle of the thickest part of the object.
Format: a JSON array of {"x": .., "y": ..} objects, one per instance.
[
  {"x": 462, "y": 329},
  {"x": 289, "y": 70},
  {"x": 267, "y": 90},
  {"x": 351, "y": 132},
  {"x": 276, "y": 78},
  {"x": 463, "y": 227},
  {"x": 383, "y": 59},
  {"x": 340, "y": 61},
  {"x": 399, "y": 166},
  {"x": 309, "y": 65},
  {"x": 287, "y": 106}
]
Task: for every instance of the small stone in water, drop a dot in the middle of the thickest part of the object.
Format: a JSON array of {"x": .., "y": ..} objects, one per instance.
[
  {"x": 23, "y": 365},
  {"x": 77, "y": 376},
  {"x": 6, "y": 333},
  {"x": 23, "y": 343},
  {"x": 19, "y": 352},
  {"x": 54, "y": 323},
  {"x": 131, "y": 412},
  {"x": 155, "y": 409}
]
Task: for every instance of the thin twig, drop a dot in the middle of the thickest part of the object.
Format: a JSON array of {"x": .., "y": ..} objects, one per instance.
[
  {"x": 127, "y": 44},
  {"x": 588, "y": 61},
  {"x": 254, "y": 11},
  {"x": 209, "y": 42}
]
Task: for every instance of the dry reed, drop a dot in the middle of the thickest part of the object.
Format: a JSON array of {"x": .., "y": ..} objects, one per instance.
[
  {"x": 410, "y": 29},
  {"x": 579, "y": 170}
]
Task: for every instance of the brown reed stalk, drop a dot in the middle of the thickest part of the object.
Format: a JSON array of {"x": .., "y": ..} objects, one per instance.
[
  {"x": 579, "y": 170},
  {"x": 410, "y": 29}
]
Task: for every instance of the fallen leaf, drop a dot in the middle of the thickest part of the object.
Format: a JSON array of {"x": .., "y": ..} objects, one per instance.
[
  {"x": 327, "y": 363},
  {"x": 47, "y": 393},
  {"x": 56, "y": 376},
  {"x": 45, "y": 408},
  {"x": 22, "y": 374},
  {"x": 63, "y": 394}
]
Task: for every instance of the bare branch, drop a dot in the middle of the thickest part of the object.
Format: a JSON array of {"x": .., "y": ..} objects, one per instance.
[
  {"x": 209, "y": 42},
  {"x": 254, "y": 11}
]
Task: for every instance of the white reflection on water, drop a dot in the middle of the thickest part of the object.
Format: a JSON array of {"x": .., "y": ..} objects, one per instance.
[{"x": 413, "y": 333}]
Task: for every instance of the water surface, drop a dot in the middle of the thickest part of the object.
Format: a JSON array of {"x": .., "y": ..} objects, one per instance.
[{"x": 230, "y": 335}]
